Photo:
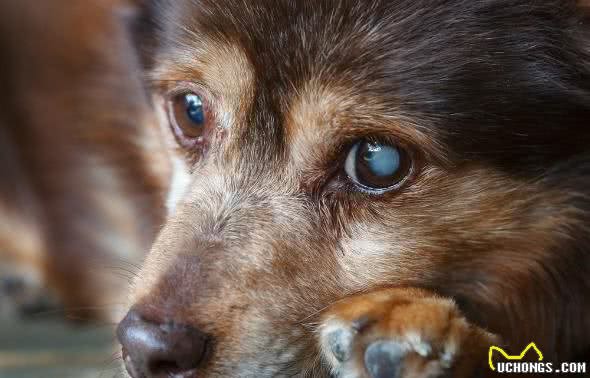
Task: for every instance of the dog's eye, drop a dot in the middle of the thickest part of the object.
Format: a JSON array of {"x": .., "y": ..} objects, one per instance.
[
  {"x": 188, "y": 116},
  {"x": 377, "y": 166}
]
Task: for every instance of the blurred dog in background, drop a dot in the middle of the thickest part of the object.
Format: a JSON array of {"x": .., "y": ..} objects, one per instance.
[{"x": 83, "y": 171}]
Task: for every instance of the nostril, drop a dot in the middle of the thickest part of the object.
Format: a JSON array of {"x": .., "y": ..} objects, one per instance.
[{"x": 153, "y": 350}]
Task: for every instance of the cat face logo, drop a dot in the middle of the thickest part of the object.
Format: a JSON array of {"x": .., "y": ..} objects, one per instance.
[{"x": 512, "y": 358}]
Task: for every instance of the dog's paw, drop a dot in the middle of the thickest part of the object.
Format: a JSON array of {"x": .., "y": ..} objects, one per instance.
[{"x": 401, "y": 333}]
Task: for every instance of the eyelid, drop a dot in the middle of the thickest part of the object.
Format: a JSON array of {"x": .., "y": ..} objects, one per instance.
[
  {"x": 403, "y": 132},
  {"x": 189, "y": 87}
]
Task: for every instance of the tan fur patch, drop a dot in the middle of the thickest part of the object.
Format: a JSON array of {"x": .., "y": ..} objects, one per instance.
[
  {"x": 221, "y": 69},
  {"x": 322, "y": 115}
]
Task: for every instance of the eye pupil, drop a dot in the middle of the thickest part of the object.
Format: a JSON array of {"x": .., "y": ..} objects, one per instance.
[
  {"x": 382, "y": 160},
  {"x": 377, "y": 166},
  {"x": 194, "y": 109}
]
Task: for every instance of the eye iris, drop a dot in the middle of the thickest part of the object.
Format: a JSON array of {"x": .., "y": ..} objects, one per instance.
[
  {"x": 188, "y": 118},
  {"x": 194, "y": 109}
]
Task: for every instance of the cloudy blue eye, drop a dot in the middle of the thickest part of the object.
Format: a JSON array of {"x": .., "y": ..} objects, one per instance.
[
  {"x": 377, "y": 166},
  {"x": 188, "y": 116}
]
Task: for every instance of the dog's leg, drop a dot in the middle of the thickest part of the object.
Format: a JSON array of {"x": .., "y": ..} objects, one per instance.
[{"x": 397, "y": 333}]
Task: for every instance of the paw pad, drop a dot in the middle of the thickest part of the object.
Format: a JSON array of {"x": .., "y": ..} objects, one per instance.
[{"x": 383, "y": 359}]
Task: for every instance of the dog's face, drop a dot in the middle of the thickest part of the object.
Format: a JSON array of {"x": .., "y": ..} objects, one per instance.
[{"x": 334, "y": 147}]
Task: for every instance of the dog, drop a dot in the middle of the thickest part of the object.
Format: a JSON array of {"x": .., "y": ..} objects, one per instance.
[
  {"x": 366, "y": 189},
  {"x": 84, "y": 174}
]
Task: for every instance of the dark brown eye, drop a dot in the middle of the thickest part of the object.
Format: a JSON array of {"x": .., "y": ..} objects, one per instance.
[
  {"x": 377, "y": 166},
  {"x": 188, "y": 117}
]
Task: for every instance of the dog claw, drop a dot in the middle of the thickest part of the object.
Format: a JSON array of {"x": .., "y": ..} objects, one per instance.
[
  {"x": 383, "y": 359},
  {"x": 340, "y": 342}
]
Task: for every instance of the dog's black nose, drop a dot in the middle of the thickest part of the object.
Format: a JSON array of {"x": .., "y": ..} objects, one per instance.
[{"x": 159, "y": 349}]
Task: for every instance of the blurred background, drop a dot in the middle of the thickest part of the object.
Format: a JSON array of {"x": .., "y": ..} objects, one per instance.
[{"x": 82, "y": 182}]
